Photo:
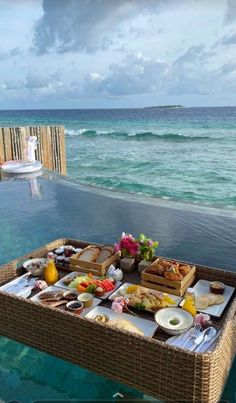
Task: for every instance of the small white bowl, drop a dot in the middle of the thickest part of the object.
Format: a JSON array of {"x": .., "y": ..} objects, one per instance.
[
  {"x": 174, "y": 321},
  {"x": 35, "y": 271},
  {"x": 86, "y": 298}
]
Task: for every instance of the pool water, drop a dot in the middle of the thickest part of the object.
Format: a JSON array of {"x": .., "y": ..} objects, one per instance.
[{"x": 35, "y": 211}]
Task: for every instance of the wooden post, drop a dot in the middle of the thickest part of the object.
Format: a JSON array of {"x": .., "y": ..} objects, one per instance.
[{"x": 51, "y": 145}]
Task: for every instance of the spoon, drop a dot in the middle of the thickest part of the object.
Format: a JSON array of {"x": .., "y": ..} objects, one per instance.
[{"x": 204, "y": 337}]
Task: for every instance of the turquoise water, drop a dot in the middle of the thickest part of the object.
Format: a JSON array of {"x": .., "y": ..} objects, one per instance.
[
  {"x": 64, "y": 208},
  {"x": 179, "y": 154},
  {"x": 184, "y": 154}
]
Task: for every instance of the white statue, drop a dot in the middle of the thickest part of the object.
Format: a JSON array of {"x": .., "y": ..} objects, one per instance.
[
  {"x": 31, "y": 147},
  {"x": 24, "y": 166}
]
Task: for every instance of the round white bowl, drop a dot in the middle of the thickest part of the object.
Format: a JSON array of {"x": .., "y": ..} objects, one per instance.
[
  {"x": 164, "y": 316},
  {"x": 35, "y": 272}
]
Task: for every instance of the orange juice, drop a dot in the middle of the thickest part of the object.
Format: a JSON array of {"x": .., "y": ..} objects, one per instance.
[
  {"x": 189, "y": 303},
  {"x": 50, "y": 272}
]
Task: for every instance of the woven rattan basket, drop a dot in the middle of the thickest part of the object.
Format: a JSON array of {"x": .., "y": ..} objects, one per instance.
[{"x": 148, "y": 364}]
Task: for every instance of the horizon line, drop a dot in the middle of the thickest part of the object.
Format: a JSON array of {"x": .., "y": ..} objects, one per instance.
[{"x": 127, "y": 108}]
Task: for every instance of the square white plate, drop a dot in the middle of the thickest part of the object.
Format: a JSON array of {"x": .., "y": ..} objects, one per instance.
[
  {"x": 36, "y": 298},
  {"x": 60, "y": 283},
  {"x": 148, "y": 327},
  {"x": 121, "y": 291},
  {"x": 203, "y": 287}
]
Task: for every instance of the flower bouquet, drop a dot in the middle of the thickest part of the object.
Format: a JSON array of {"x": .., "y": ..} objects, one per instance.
[
  {"x": 129, "y": 248},
  {"x": 146, "y": 251}
]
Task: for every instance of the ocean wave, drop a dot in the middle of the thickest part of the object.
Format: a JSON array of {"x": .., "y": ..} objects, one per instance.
[{"x": 140, "y": 135}]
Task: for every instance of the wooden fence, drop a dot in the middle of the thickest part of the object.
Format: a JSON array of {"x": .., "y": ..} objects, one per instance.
[{"x": 50, "y": 150}]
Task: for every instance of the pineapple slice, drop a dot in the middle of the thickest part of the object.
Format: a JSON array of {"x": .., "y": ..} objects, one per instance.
[{"x": 168, "y": 299}]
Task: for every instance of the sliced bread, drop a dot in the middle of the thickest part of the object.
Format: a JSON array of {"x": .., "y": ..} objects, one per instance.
[{"x": 90, "y": 254}]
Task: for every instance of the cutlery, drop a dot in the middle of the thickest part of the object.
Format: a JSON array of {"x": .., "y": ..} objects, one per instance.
[
  {"x": 204, "y": 336},
  {"x": 213, "y": 341},
  {"x": 192, "y": 334}
]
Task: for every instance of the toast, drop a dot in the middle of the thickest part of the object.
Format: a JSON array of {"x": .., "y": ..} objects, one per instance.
[
  {"x": 89, "y": 254},
  {"x": 106, "y": 252}
]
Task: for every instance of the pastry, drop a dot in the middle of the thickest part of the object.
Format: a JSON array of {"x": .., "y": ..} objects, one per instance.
[
  {"x": 173, "y": 274},
  {"x": 211, "y": 299},
  {"x": 219, "y": 299},
  {"x": 185, "y": 269},
  {"x": 157, "y": 269},
  {"x": 101, "y": 318},
  {"x": 165, "y": 263},
  {"x": 201, "y": 302},
  {"x": 125, "y": 325},
  {"x": 206, "y": 300}
]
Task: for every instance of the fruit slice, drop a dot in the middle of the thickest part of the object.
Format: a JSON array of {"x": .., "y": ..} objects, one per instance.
[
  {"x": 131, "y": 289},
  {"x": 80, "y": 288},
  {"x": 168, "y": 299},
  {"x": 91, "y": 288}
]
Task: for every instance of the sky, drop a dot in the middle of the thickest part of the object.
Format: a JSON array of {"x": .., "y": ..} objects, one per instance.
[{"x": 117, "y": 53}]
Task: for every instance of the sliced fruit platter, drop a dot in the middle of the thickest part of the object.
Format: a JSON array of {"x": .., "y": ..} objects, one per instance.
[
  {"x": 100, "y": 286},
  {"x": 145, "y": 299}
]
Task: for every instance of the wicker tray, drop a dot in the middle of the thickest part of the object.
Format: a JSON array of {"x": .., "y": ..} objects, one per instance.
[{"x": 163, "y": 371}]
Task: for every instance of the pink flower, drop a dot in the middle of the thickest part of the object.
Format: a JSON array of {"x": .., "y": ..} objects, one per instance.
[
  {"x": 119, "y": 304},
  {"x": 202, "y": 319},
  {"x": 127, "y": 245},
  {"x": 40, "y": 285}
]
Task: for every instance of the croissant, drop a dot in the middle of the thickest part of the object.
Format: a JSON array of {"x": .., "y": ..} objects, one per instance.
[
  {"x": 173, "y": 274},
  {"x": 184, "y": 270}
]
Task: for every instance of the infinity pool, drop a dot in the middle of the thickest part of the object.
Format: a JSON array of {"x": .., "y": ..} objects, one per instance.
[{"x": 37, "y": 210}]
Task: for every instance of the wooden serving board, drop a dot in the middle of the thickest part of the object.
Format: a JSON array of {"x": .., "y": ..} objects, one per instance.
[{"x": 172, "y": 287}]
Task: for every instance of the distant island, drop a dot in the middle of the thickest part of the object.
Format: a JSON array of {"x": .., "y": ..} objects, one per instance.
[{"x": 164, "y": 106}]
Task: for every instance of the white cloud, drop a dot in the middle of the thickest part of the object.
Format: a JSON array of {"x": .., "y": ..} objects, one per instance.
[
  {"x": 89, "y": 25},
  {"x": 230, "y": 15},
  {"x": 115, "y": 52},
  {"x": 229, "y": 39},
  {"x": 135, "y": 75}
]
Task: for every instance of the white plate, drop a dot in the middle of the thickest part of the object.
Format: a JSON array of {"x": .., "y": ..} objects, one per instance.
[
  {"x": 18, "y": 286},
  {"x": 30, "y": 261},
  {"x": 60, "y": 283},
  {"x": 122, "y": 288},
  {"x": 145, "y": 325},
  {"x": 36, "y": 298},
  {"x": 203, "y": 287}
]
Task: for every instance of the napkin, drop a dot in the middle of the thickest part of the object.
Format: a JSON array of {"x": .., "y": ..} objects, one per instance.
[{"x": 183, "y": 341}]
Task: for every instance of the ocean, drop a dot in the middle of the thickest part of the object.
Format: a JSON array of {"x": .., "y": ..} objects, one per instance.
[{"x": 180, "y": 154}]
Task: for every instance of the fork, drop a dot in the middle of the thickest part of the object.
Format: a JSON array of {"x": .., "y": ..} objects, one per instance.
[{"x": 192, "y": 334}]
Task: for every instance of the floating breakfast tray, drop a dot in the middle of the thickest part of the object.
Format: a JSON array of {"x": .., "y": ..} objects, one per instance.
[
  {"x": 172, "y": 287},
  {"x": 148, "y": 364},
  {"x": 99, "y": 269}
]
